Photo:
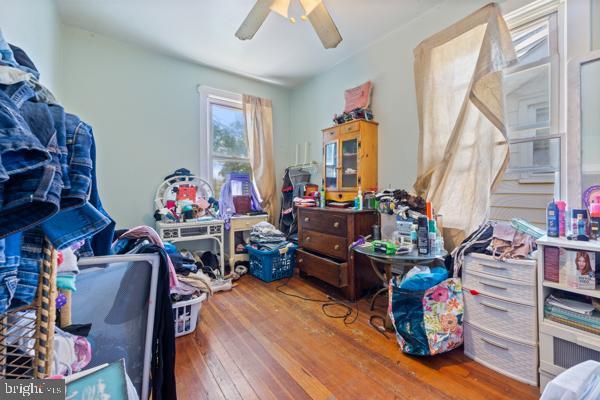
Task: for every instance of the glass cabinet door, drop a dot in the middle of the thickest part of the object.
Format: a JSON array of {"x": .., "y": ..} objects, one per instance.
[
  {"x": 331, "y": 163},
  {"x": 350, "y": 163}
]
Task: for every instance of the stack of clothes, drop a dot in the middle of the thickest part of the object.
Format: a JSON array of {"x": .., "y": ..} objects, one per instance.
[
  {"x": 305, "y": 201},
  {"x": 265, "y": 236}
]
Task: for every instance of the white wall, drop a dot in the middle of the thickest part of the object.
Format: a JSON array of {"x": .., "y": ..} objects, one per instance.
[
  {"x": 388, "y": 63},
  {"x": 34, "y": 26},
  {"x": 144, "y": 108}
]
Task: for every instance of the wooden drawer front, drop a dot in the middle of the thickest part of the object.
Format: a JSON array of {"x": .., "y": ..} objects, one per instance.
[
  {"x": 336, "y": 274},
  {"x": 521, "y": 270},
  {"x": 330, "y": 133},
  {"x": 509, "y": 319},
  {"x": 246, "y": 223},
  {"x": 351, "y": 127},
  {"x": 323, "y": 243},
  {"x": 517, "y": 360},
  {"x": 334, "y": 224},
  {"x": 340, "y": 196},
  {"x": 506, "y": 289}
]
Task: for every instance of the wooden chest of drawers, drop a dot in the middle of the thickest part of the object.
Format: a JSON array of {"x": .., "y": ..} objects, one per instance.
[{"x": 324, "y": 235}]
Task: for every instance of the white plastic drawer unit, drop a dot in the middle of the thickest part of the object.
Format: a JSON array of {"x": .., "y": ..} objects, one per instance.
[
  {"x": 509, "y": 357},
  {"x": 513, "y": 320},
  {"x": 502, "y": 288},
  {"x": 521, "y": 270}
]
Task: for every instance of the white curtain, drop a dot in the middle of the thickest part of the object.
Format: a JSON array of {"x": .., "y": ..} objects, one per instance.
[
  {"x": 258, "y": 114},
  {"x": 463, "y": 149}
]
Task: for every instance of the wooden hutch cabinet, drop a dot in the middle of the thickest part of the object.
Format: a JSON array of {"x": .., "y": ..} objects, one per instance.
[{"x": 349, "y": 159}]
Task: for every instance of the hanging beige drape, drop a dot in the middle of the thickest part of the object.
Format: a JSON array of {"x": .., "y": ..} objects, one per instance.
[
  {"x": 258, "y": 115},
  {"x": 463, "y": 150}
]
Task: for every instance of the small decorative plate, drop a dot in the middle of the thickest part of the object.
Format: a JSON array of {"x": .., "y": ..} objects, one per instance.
[{"x": 590, "y": 195}]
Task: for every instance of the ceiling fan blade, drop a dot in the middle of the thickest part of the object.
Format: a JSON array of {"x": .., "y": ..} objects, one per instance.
[
  {"x": 323, "y": 24},
  {"x": 255, "y": 19}
]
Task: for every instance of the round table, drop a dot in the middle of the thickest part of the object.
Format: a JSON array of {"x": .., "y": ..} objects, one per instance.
[{"x": 394, "y": 264}]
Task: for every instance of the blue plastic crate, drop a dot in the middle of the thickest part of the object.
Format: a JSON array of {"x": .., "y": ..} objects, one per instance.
[{"x": 272, "y": 265}]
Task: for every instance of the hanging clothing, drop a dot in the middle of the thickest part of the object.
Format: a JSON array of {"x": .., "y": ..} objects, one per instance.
[
  {"x": 146, "y": 232},
  {"x": 463, "y": 149},
  {"x": 258, "y": 114}
]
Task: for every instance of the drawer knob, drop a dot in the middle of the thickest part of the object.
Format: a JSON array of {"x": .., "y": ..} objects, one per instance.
[
  {"x": 336, "y": 247},
  {"x": 336, "y": 224},
  {"x": 307, "y": 239},
  {"x": 306, "y": 219},
  {"x": 300, "y": 260}
]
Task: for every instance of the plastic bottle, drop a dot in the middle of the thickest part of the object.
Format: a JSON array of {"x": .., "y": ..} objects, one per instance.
[
  {"x": 423, "y": 235},
  {"x": 562, "y": 218},
  {"x": 360, "y": 199},
  {"x": 432, "y": 237},
  {"x": 322, "y": 199},
  {"x": 552, "y": 219}
]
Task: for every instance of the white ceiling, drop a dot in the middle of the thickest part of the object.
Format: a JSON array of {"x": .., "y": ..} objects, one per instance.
[{"x": 202, "y": 31}]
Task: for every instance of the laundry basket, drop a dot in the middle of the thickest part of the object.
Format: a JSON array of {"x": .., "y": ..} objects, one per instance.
[
  {"x": 272, "y": 265},
  {"x": 186, "y": 315}
]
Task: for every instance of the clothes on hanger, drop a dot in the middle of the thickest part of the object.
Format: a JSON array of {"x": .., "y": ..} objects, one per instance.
[{"x": 48, "y": 182}]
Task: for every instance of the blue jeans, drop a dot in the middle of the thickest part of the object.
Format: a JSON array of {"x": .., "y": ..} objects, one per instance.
[
  {"x": 33, "y": 196},
  {"x": 20, "y": 149},
  {"x": 79, "y": 143},
  {"x": 10, "y": 252},
  {"x": 58, "y": 116},
  {"x": 71, "y": 226},
  {"x": 100, "y": 244},
  {"x": 28, "y": 272}
]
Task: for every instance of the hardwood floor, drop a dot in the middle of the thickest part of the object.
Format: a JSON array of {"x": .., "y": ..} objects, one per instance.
[{"x": 256, "y": 343}]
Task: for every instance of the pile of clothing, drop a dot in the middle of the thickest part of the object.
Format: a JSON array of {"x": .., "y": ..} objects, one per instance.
[
  {"x": 265, "y": 236},
  {"x": 502, "y": 240},
  {"x": 47, "y": 180},
  {"x": 305, "y": 201}
]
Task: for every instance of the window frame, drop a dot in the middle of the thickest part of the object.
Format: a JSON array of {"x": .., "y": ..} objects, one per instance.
[
  {"x": 210, "y": 96},
  {"x": 553, "y": 11}
]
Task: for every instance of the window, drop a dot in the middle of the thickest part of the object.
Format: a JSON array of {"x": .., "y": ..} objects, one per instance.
[
  {"x": 532, "y": 90},
  {"x": 532, "y": 100},
  {"x": 224, "y": 148}
]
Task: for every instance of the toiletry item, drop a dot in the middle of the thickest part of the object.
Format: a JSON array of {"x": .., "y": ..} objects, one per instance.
[
  {"x": 413, "y": 236},
  {"x": 562, "y": 218},
  {"x": 552, "y": 219},
  {"x": 423, "y": 235},
  {"x": 322, "y": 199},
  {"x": 376, "y": 232},
  {"x": 432, "y": 236},
  {"x": 360, "y": 199},
  {"x": 439, "y": 246},
  {"x": 595, "y": 220},
  {"x": 581, "y": 228},
  {"x": 575, "y": 213},
  {"x": 428, "y": 210}
]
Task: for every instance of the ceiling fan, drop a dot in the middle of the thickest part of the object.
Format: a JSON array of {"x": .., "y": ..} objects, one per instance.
[{"x": 314, "y": 11}]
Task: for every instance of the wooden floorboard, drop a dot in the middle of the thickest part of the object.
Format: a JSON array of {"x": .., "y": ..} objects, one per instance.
[{"x": 257, "y": 343}]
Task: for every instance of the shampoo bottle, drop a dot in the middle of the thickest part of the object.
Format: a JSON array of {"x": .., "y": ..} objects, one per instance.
[{"x": 552, "y": 219}]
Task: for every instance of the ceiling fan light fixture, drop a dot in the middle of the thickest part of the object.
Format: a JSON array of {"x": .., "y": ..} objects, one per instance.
[
  {"x": 281, "y": 7},
  {"x": 310, "y": 5}
]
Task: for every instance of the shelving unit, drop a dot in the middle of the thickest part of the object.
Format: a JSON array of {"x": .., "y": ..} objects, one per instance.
[{"x": 562, "y": 346}]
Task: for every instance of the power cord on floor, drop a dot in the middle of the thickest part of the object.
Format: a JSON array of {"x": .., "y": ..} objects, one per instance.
[{"x": 325, "y": 304}]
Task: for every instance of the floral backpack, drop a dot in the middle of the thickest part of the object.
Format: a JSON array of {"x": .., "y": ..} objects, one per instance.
[{"x": 427, "y": 322}]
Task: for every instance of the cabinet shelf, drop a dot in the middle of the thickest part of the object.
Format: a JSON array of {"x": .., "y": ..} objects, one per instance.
[
  {"x": 585, "y": 292},
  {"x": 592, "y": 245}
]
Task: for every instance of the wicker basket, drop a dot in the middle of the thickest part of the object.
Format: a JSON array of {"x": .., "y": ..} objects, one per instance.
[{"x": 32, "y": 357}]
